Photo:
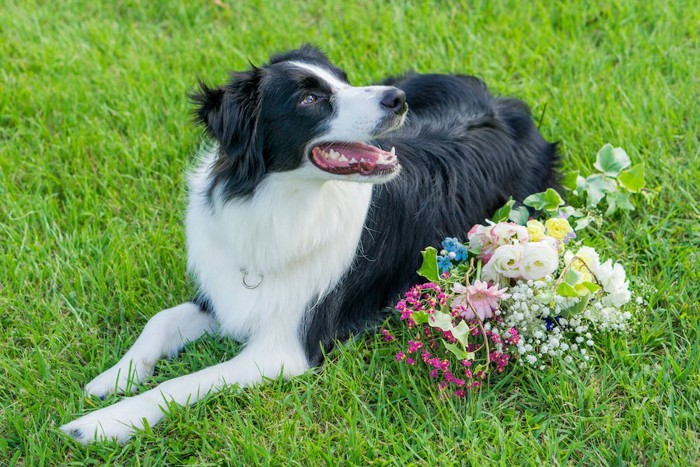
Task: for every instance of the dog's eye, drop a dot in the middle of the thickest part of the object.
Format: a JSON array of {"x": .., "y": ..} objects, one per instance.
[{"x": 309, "y": 99}]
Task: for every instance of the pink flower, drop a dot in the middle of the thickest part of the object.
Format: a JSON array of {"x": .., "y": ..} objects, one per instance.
[
  {"x": 504, "y": 233},
  {"x": 480, "y": 239},
  {"x": 482, "y": 297}
]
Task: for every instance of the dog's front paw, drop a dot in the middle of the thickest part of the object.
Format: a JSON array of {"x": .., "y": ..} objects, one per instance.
[
  {"x": 116, "y": 422},
  {"x": 121, "y": 378}
]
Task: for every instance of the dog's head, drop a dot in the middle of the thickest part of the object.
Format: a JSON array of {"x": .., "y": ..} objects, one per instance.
[{"x": 299, "y": 113}]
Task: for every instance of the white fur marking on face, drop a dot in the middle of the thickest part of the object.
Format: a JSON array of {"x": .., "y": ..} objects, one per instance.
[
  {"x": 333, "y": 82},
  {"x": 358, "y": 110}
]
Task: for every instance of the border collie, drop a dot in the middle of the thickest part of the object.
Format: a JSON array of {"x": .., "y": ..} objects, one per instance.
[{"x": 307, "y": 215}]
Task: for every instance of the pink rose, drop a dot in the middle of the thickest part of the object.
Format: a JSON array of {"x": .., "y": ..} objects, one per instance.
[
  {"x": 504, "y": 233},
  {"x": 480, "y": 239}
]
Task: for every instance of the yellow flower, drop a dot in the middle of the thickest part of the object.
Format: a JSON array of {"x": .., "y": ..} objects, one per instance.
[
  {"x": 558, "y": 227},
  {"x": 536, "y": 230}
]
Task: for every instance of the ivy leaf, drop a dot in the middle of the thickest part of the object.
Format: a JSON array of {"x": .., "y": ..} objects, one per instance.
[
  {"x": 567, "y": 290},
  {"x": 572, "y": 277},
  {"x": 618, "y": 200},
  {"x": 587, "y": 287},
  {"x": 633, "y": 178},
  {"x": 519, "y": 215},
  {"x": 441, "y": 320},
  {"x": 568, "y": 181},
  {"x": 429, "y": 268},
  {"x": 611, "y": 161},
  {"x": 545, "y": 201},
  {"x": 502, "y": 213},
  {"x": 420, "y": 317},
  {"x": 458, "y": 351},
  {"x": 583, "y": 222},
  {"x": 595, "y": 187},
  {"x": 569, "y": 211},
  {"x": 576, "y": 308},
  {"x": 461, "y": 333}
]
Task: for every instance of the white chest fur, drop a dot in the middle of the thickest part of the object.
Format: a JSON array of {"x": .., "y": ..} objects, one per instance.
[{"x": 300, "y": 234}]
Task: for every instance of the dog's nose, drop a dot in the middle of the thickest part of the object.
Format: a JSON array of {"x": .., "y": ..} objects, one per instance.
[{"x": 395, "y": 100}]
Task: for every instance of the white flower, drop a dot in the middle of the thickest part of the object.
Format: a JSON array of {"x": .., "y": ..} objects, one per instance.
[
  {"x": 618, "y": 298},
  {"x": 538, "y": 260},
  {"x": 505, "y": 232},
  {"x": 589, "y": 257},
  {"x": 612, "y": 278},
  {"x": 505, "y": 262}
]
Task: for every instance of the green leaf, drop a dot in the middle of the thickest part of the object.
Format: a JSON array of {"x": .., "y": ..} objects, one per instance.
[
  {"x": 576, "y": 308},
  {"x": 567, "y": 290},
  {"x": 590, "y": 287},
  {"x": 461, "y": 333},
  {"x": 545, "y": 201},
  {"x": 519, "y": 215},
  {"x": 458, "y": 351},
  {"x": 611, "y": 161},
  {"x": 568, "y": 181},
  {"x": 502, "y": 213},
  {"x": 618, "y": 200},
  {"x": 420, "y": 317},
  {"x": 441, "y": 320},
  {"x": 429, "y": 268},
  {"x": 595, "y": 187},
  {"x": 633, "y": 178},
  {"x": 572, "y": 277},
  {"x": 583, "y": 222},
  {"x": 570, "y": 211}
]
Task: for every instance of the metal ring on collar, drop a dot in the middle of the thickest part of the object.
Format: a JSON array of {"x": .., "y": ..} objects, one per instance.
[{"x": 251, "y": 286}]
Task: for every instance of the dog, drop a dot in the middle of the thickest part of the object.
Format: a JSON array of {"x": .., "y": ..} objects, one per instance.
[{"x": 307, "y": 214}]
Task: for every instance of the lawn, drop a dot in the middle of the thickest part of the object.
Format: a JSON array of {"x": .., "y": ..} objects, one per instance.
[{"x": 95, "y": 138}]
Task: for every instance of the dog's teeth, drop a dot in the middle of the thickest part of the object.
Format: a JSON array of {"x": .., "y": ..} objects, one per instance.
[
  {"x": 334, "y": 154},
  {"x": 342, "y": 158},
  {"x": 393, "y": 151},
  {"x": 353, "y": 161},
  {"x": 362, "y": 159}
]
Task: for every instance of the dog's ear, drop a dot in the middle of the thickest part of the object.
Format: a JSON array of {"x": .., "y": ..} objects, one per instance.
[{"x": 230, "y": 115}]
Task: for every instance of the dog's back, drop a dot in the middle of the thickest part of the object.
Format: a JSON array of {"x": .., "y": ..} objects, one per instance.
[{"x": 463, "y": 153}]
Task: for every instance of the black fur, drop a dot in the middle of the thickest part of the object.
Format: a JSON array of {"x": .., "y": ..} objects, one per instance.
[
  {"x": 463, "y": 152},
  {"x": 253, "y": 121}
]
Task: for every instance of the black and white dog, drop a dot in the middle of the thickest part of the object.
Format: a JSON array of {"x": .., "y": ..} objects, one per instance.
[{"x": 307, "y": 216}]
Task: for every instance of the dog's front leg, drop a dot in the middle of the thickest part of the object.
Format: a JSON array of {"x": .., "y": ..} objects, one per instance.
[
  {"x": 163, "y": 336},
  {"x": 261, "y": 358}
]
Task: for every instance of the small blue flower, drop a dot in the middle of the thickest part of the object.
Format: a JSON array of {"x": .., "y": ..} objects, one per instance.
[
  {"x": 550, "y": 323},
  {"x": 444, "y": 264},
  {"x": 449, "y": 243},
  {"x": 460, "y": 252},
  {"x": 456, "y": 250}
]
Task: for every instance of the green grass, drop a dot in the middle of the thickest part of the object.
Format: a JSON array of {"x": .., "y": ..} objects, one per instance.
[{"x": 95, "y": 137}]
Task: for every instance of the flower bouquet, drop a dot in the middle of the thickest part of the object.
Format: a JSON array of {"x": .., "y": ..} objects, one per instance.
[{"x": 518, "y": 289}]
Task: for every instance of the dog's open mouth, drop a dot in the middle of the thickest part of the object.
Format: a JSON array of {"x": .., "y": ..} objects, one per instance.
[{"x": 353, "y": 158}]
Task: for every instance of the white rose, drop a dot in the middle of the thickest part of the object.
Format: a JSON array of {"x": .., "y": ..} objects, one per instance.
[
  {"x": 538, "y": 260},
  {"x": 505, "y": 262}
]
